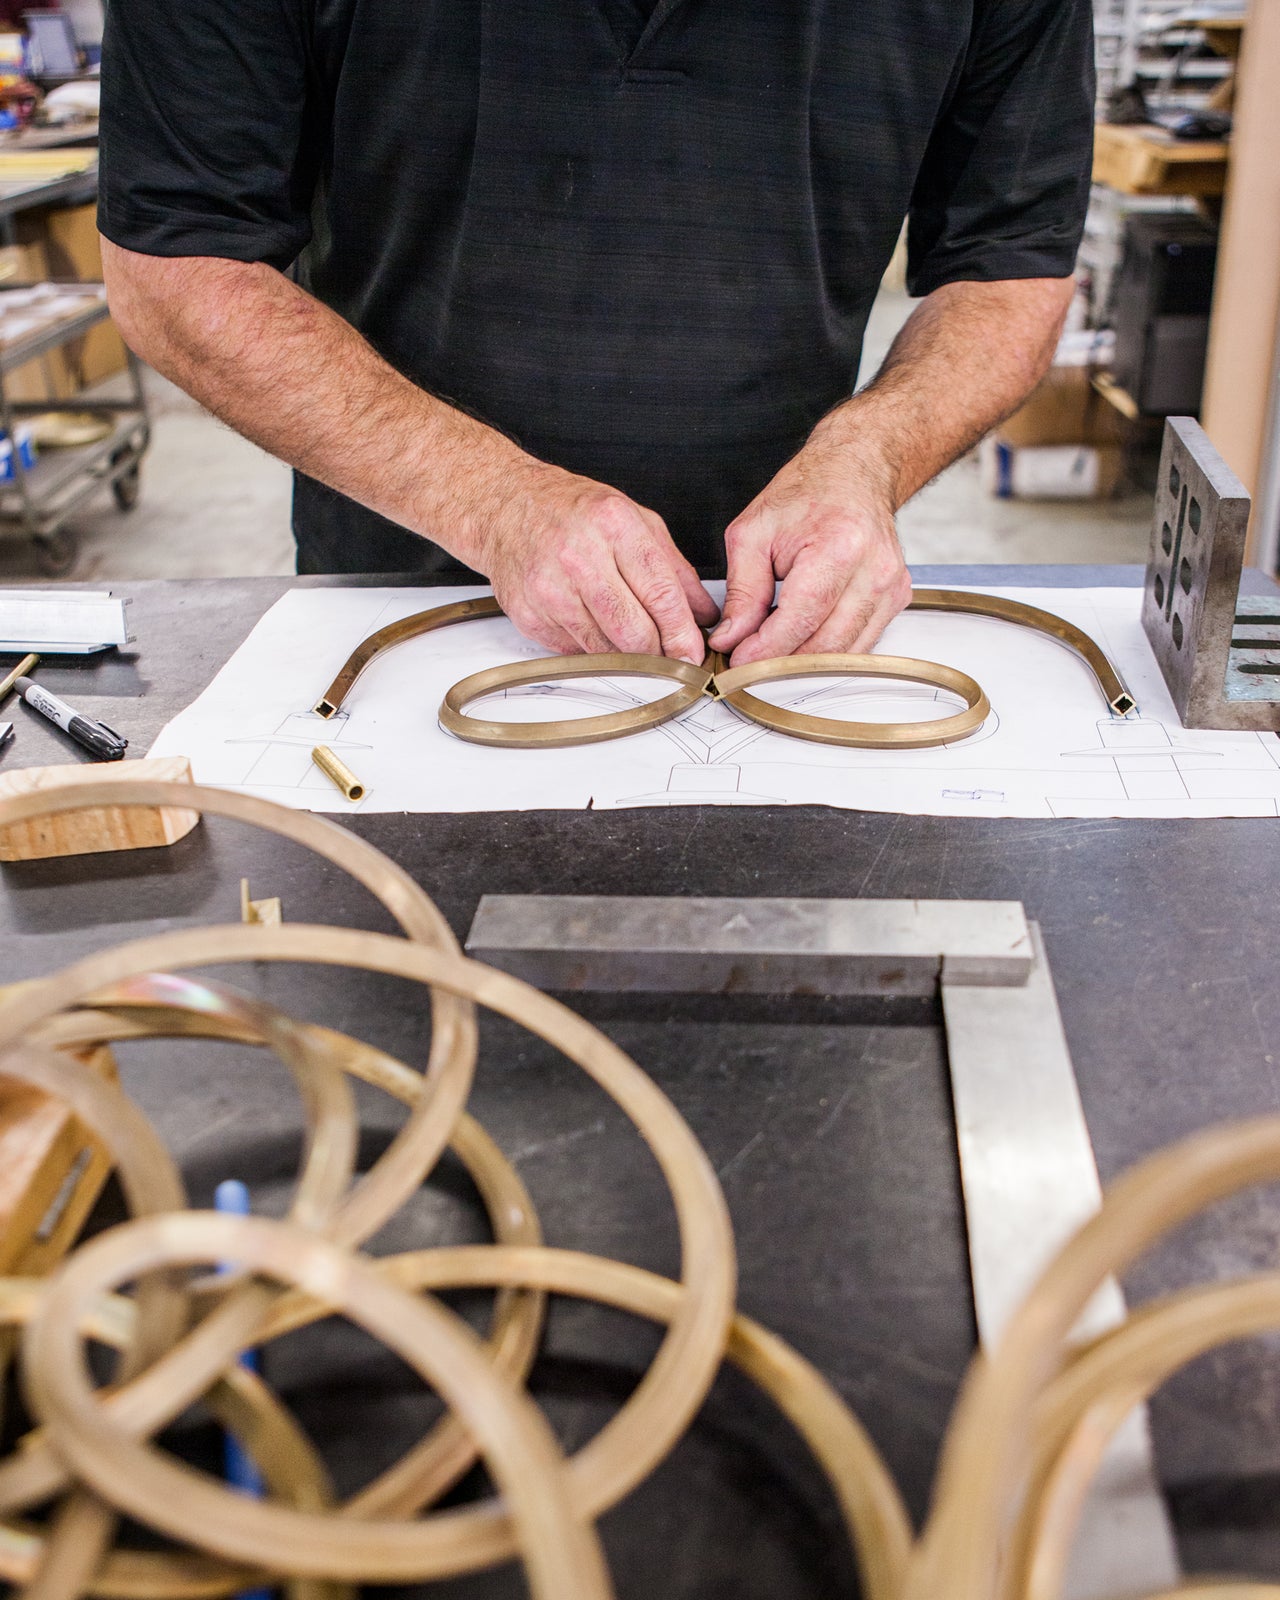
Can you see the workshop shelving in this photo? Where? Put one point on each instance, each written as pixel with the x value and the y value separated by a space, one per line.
pixel 38 501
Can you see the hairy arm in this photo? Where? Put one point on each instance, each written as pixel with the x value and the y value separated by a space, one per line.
pixel 575 564
pixel 967 357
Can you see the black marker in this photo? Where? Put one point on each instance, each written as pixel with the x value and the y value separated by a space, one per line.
pixel 96 737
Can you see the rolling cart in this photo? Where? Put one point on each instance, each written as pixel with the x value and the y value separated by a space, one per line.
pixel 39 499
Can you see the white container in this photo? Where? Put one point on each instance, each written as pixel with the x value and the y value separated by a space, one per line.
pixel 1048 472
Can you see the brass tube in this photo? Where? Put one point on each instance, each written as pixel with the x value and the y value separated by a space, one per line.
pixel 338 773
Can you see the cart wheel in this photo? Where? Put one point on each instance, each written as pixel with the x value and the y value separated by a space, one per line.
pixel 56 553
pixel 127 488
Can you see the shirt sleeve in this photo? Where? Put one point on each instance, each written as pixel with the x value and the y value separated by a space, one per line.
pixel 207 146
pixel 1004 184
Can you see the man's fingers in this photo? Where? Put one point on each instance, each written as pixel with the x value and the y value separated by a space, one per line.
pixel 704 608
pixel 859 617
pixel 582 628
pixel 539 627
pixel 891 595
pixel 598 587
pixel 810 593
pixel 888 608
pixel 656 585
pixel 621 618
pixel 749 589
pixel 849 621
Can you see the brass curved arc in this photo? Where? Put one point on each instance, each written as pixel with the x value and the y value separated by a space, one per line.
pixel 330 702
pixel 1113 687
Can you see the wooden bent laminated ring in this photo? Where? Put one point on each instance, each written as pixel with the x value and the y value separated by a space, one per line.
pixel 633 1442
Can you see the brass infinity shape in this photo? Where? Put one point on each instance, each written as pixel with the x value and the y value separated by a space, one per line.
pixel 729 685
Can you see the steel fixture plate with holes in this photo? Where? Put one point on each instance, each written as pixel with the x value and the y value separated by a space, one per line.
pixel 1219 650
pixel 1026 1159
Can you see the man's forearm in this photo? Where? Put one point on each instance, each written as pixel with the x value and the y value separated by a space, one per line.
pixel 966 358
pixel 576 564
pixel 291 375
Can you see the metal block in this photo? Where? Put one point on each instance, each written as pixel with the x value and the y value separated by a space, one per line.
pixel 1219 651
pixel 670 945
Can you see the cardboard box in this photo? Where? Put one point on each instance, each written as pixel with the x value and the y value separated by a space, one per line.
pixel 1065 409
pixel 69 240
pixel 46 378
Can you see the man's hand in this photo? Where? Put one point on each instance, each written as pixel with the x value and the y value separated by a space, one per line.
pixel 824 525
pixel 580 567
pixel 966 358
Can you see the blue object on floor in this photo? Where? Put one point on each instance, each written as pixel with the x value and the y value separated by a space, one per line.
pixel 232 1198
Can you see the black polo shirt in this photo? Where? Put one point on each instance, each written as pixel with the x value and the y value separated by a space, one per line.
pixel 640 236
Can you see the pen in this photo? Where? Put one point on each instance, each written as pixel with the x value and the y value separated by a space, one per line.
pixel 95 737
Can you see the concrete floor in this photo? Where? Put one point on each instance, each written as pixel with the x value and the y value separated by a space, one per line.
pixel 214 505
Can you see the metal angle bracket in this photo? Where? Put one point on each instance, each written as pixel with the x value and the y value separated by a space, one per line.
pixel 1219 650
pixel 1026 1160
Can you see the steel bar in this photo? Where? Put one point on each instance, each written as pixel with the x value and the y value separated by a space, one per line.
pixel 687 945
pixel 1030 1181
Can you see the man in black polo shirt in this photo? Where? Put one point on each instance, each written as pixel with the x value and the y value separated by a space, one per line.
pixel 571 293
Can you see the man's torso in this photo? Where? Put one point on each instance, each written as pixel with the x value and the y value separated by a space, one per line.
pixel 640 236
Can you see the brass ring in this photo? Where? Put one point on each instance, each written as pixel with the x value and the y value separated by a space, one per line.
pixel 694 683
pixel 165 1005
pixel 732 688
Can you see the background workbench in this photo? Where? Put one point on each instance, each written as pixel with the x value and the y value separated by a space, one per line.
pixel 832 1132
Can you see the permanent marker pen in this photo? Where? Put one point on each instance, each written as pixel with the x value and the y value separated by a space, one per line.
pixel 95 737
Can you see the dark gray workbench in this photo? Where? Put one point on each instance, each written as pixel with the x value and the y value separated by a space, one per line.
pixel 833 1135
